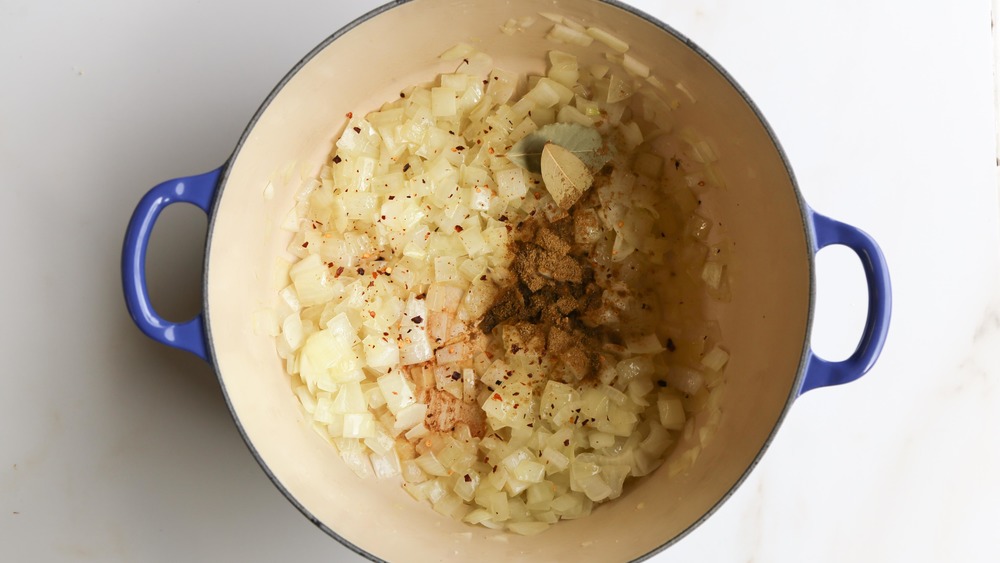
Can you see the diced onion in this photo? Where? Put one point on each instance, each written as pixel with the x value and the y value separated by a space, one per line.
pixel 608 39
pixel 715 359
pixel 671 411
pixel 564 34
pixel 403 241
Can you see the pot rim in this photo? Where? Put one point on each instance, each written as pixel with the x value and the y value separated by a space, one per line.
pixel 807 228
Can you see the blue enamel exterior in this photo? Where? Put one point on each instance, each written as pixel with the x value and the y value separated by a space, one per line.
pixel 197 190
pixel 823 373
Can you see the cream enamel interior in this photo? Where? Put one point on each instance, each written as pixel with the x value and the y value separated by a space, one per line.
pixel 764 327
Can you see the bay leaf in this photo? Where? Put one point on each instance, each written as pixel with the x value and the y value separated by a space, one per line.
pixel 565 175
pixel 582 141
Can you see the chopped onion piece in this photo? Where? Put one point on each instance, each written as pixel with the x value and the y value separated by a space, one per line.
pixel 528 528
pixel 635 67
pixel 385 465
pixel 569 114
pixel 646 344
pixel 573 24
pixel 608 39
pixel 685 379
pixel 359 425
pixel 313 281
pixel 712 274
pixel 397 391
pixel 565 34
pixel 715 359
pixel 671 411
pixel 410 416
pixel 417 432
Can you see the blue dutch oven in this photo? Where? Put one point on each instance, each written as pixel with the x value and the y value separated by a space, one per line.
pixel 766 325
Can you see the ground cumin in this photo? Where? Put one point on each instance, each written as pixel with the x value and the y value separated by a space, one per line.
pixel 552 297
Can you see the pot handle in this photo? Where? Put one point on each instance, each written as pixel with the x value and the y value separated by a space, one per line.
pixel 198 190
pixel 824 373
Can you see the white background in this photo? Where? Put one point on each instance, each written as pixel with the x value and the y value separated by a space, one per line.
pixel 113 448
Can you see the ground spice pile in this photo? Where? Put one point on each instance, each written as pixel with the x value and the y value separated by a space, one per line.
pixel 554 300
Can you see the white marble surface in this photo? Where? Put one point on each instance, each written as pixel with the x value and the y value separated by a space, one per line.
pixel 113 448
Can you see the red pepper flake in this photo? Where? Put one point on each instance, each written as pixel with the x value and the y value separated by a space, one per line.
pixel 503 218
pixel 392 197
pixel 482 277
pixel 417 319
pixel 337 159
pixel 371 314
pixel 305 244
pixel 340 270
pixel 361 271
pixel 497 397
pixel 458 228
pixel 406 167
pixel 421 296
pixel 566 442
pixel 356 129
pixel 350 114
pixel 467 478
pixel 538 195
pixel 456 375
